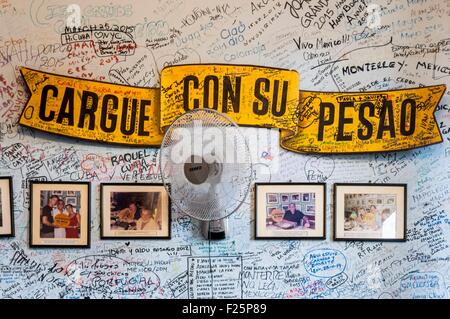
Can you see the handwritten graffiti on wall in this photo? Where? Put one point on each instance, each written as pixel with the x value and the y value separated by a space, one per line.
pixel 335 45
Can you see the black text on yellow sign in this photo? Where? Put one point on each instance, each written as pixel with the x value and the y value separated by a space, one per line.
pixel 331 122
pixel 310 122
pixel 92 110
pixel 252 96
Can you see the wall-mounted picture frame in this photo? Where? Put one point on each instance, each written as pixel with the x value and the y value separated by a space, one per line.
pixel 285 198
pixel 378 215
pixel 272 198
pixel 306 197
pixel 71 200
pixel 134 211
pixel 310 208
pixel 55 222
pixel 6 207
pixel 296 197
pixel 292 220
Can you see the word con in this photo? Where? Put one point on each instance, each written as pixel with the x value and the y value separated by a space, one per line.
pixel 232 91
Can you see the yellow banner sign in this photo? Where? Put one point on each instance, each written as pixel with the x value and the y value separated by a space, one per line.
pixel 250 95
pixel 330 122
pixel 92 110
pixel 310 122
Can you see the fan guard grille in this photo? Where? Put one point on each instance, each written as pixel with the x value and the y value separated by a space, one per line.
pixel 220 195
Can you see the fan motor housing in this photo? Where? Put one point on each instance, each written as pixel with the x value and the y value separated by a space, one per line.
pixel 196 170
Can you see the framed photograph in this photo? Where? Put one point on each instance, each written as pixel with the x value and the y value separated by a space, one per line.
pixel 310 209
pixel 6 207
pixel 72 200
pixel 305 197
pixel 383 218
pixel 295 198
pixel 289 220
pixel 285 198
pixel 390 200
pixel 54 220
pixel 134 211
pixel 272 198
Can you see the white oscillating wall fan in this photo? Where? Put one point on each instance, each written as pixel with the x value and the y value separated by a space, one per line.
pixel 206 168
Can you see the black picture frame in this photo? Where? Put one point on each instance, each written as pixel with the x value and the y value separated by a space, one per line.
pixel 11 206
pixel 365 239
pixel 169 214
pixel 322 237
pixel 88 239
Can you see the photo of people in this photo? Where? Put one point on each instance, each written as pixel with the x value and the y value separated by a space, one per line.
pixel 59 214
pixel 72 200
pixel 377 213
pixel 272 198
pixel 295 198
pixel 372 217
pixel 134 210
pixel 295 215
pixel 59 219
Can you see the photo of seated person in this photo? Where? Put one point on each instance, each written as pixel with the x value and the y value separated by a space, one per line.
pixel 147 221
pixel 372 217
pixel 130 213
pixel 135 211
pixel 292 214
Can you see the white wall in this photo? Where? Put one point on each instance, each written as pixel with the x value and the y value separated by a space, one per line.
pixel 414 32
